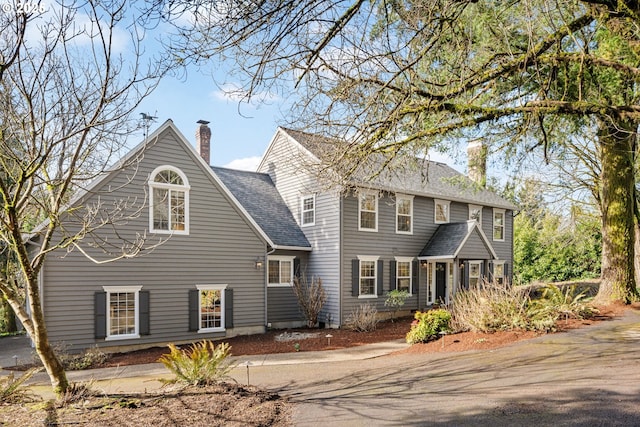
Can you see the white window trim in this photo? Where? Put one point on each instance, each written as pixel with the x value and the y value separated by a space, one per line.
pixel 221 288
pixel 303 211
pixel 504 224
pixel 367 193
pixel 374 259
pixel 122 289
pixel 410 261
pixel 410 199
pixel 497 262
pixel 280 258
pixel 476 207
pixel 479 264
pixel 184 188
pixel 437 202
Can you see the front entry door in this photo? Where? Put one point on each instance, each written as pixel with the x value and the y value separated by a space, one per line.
pixel 441 282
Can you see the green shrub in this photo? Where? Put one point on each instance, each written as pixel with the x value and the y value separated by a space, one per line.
pixel 202 363
pixel 395 300
pixel 11 390
pixel 91 358
pixel 427 325
pixel 556 303
pixel 363 319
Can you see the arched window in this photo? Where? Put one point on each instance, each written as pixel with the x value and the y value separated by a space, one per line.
pixel 169 201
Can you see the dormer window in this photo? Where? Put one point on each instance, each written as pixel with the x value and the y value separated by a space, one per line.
pixel 168 201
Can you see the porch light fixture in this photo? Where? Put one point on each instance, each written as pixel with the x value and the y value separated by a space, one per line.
pixel 424 263
pixel 259 263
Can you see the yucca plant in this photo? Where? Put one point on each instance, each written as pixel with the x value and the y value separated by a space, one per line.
pixel 201 364
pixel 568 303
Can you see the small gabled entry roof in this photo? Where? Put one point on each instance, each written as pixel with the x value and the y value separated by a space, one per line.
pixel 449 241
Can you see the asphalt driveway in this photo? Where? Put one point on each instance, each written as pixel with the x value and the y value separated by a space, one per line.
pixel 586 377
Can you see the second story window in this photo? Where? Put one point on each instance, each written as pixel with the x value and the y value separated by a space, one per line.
pixel 441 215
pixel 404 214
pixel 168 201
pixel 498 225
pixel 308 210
pixel 368 211
pixel 475 212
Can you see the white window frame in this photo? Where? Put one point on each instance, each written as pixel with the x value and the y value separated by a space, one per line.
pixel 374 259
pixel 171 188
pixel 280 258
pixel 360 210
pixel 446 203
pixel 410 277
pixel 479 209
pixel 496 263
pixel 503 226
pixel 123 289
pixel 404 197
pixel 303 210
pixel 479 276
pixel 221 288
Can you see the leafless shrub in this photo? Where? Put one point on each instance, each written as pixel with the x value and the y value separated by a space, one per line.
pixel 363 319
pixel 311 298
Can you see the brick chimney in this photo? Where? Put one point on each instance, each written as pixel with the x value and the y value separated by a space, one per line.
pixel 203 140
pixel 477 162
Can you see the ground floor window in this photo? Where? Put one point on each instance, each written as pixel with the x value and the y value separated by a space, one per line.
pixel 404 274
pixel 498 272
pixel 475 273
pixel 211 303
pixel 122 305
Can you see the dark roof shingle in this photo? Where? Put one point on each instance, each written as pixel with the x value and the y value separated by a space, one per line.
pixel 260 198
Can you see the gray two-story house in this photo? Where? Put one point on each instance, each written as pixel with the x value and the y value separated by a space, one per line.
pixel 423 228
pixel 223 246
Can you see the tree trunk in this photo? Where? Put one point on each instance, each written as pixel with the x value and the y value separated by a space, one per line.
pixel 617 143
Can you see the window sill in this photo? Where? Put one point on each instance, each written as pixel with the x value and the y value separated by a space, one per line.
pixel 122 337
pixel 368 230
pixel 408 233
pixel 279 285
pixel 171 232
pixel 367 296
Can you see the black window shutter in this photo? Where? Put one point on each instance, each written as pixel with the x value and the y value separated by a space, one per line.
pixel 466 275
pixel 392 276
pixel 228 308
pixel 415 269
pixel 194 310
pixel 491 277
pixel 507 278
pixel 100 308
pixel 380 291
pixel 355 277
pixel 143 299
pixel 296 268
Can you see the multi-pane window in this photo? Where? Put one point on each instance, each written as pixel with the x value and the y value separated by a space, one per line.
pixel 403 275
pixel 368 211
pixel 498 272
pixel 169 201
pixel 498 224
pixel 211 307
pixel 122 312
pixel 280 271
pixel 475 271
pixel 308 211
pixel 475 212
pixel 441 215
pixel 404 214
pixel 368 277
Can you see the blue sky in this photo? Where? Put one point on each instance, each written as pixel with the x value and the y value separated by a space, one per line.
pixel 240 133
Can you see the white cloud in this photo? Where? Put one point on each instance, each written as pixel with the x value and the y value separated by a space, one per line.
pixel 245 164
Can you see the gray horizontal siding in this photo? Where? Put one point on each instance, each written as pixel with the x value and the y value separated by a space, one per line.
pixel 282 305
pixel 221 248
pixel 288 168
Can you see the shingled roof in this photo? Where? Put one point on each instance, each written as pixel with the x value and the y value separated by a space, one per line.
pixel 259 197
pixel 450 238
pixel 405 174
